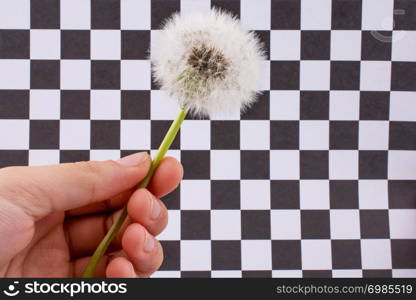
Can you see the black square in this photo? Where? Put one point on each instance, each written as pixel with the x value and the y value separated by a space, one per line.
pixel 256 274
pixel 315 224
pixel 195 274
pixel 14 44
pixel 343 135
pixel 259 110
pixel 346 254
pixel 196 164
pixel 158 132
pixel 105 14
pixel 373 165
pixel 374 105
pixel 285 14
pixel 346 14
pixel 135 105
pixel 173 199
pixel 284 194
pixel 345 75
pixel 314 105
pixel 44 134
pixel 69 156
pixel 374 49
pixel 284 134
pixel 75 44
pixel 315 45
pixel 314 164
pixel 14 158
pixel 286 255
pixel 44 74
pixel 105 74
pixel 343 194
pixel 232 6
pixel 403 254
pixel 402 193
pixel 402 76
pixel 171 255
pixel 374 224
pixel 226 255
pixel 162 9
pixel 255 164
pixel 264 38
pixel 377 273
pixel 75 104
pixel 404 15
pixel 316 274
pixel 284 75
pixel 45 14
pixel 225 134
pixel 255 224
pixel 402 136
pixel 14 104
pixel 195 225
pixel 135 44
pixel 225 194
pixel 105 134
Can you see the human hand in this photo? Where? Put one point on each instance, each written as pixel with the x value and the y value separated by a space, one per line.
pixel 53 217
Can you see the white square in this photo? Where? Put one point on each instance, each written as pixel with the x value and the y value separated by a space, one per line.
pixel 402 223
pixel 255 15
pixel 76 14
pixel 316 255
pixel 344 105
pixel 285 224
pixel 135 134
pixel 346 45
pixel 43 157
pixel 402 106
pixel 314 135
pixel 195 255
pixel 254 135
pixel 226 274
pixel 15 14
pixel 135 75
pixel 284 164
pixel 165 274
pixel 225 224
pixel 255 194
pixel 373 194
pixel 256 255
pixel 316 14
pixel 345 224
pixel 309 79
pixel 135 14
pixel 171 153
pixel 74 134
pixel 102 155
pixel 172 232
pixel 287 274
pixel 15 139
pixel 314 194
pixel 196 135
pixel 375 75
pixel 285 45
pixel 195 194
pixel 264 78
pixel 404 273
pixel 402 165
pixel 105 44
pixel 14 74
pixel 347 273
pixel 45 104
pixel 154 38
pixel 284 105
pixel 163 107
pixel 377 14
pixel 105 105
pixel 189 7
pixel 75 74
pixel 403 42
pixel 375 254
pixel 225 164
pixel 343 164
pixel 45 44
pixel 373 135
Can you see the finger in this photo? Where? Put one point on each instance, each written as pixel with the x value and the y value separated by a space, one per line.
pixel 45 189
pixel 142 249
pixel 120 267
pixel 80 264
pixel 166 178
pixel 144 208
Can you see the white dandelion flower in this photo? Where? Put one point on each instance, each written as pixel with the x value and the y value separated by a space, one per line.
pixel 208 63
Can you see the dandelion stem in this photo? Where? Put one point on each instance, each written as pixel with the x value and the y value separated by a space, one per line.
pixel 163 148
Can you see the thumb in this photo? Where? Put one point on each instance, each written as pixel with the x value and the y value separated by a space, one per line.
pixel 45 189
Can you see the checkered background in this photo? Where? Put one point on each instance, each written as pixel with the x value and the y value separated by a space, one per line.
pixel 317 179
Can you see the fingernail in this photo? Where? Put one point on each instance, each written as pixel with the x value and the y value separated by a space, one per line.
pixel 133 159
pixel 149 243
pixel 156 209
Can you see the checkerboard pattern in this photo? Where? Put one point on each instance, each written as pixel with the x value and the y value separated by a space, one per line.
pixel 318 179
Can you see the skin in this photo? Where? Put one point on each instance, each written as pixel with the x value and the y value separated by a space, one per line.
pixel 53 217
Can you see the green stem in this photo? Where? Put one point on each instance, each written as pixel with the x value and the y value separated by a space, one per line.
pixel 163 148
